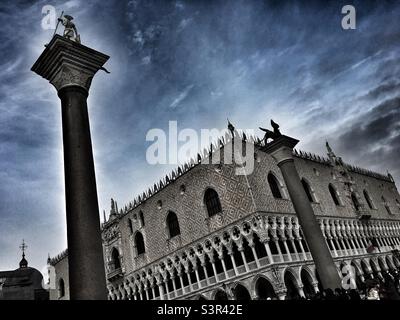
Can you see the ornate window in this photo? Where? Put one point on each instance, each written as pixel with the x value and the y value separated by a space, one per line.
pixel 386 205
pixel 61 288
pixel 141 218
pixel 173 225
pixel 309 191
pixel 274 185
pixel 334 194
pixel 139 243
pixel 355 201
pixel 368 199
pixel 211 199
pixel 115 259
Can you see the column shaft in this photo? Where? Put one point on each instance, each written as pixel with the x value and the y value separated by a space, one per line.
pixel 311 229
pixel 85 251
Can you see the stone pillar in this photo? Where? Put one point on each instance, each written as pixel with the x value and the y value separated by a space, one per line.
pixel 281 149
pixel 230 253
pixel 153 292
pixel 70 68
pixel 221 258
pixel 173 283
pixel 268 249
pixel 241 250
pixel 181 281
pixel 278 247
pixel 214 269
pixel 203 264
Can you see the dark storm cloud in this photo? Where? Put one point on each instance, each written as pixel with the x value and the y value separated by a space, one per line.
pixel 196 62
pixel 390 87
pixel 376 126
pixel 374 140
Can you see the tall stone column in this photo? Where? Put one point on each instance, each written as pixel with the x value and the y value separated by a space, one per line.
pixel 281 149
pixel 70 67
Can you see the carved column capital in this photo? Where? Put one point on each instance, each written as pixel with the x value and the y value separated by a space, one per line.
pixel 70 76
pixel 67 63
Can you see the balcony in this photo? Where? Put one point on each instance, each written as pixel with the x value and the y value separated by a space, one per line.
pixel 254 261
pixel 114 274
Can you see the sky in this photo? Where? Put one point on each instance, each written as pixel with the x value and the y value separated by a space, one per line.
pixel 197 63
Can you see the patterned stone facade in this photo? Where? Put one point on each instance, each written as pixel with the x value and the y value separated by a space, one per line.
pixel 254 247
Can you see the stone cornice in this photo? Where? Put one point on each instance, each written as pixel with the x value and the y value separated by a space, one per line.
pixel 67 63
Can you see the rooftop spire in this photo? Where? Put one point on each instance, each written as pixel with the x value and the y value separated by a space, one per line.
pixel 231 128
pixel 23 263
pixel 330 151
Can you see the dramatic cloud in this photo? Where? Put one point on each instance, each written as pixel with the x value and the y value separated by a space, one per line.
pixel 197 62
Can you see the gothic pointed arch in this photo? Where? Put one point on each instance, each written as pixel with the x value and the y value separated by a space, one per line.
pixel 264 289
pixel 308 190
pixel 275 186
pixel 355 201
pixel 212 202
pixel 141 218
pixel 368 199
pixel 61 288
pixel 130 225
pixel 139 243
pixel 386 205
pixel 334 194
pixel 173 224
pixel 241 293
pixel 115 258
pixel 307 281
pixel 291 286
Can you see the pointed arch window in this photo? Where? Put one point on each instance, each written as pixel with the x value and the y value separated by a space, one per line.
pixel 130 225
pixel 355 201
pixel 139 243
pixel 211 200
pixel 275 187
pixel 115 259
pixel 334 194
pixel 309 191
pixel 368 199
pixel 173 225
pixel 386 205
pixel 61 288
pixel 141 218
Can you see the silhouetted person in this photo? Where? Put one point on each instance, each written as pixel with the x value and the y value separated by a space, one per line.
pixel 329 295
pixel 354 295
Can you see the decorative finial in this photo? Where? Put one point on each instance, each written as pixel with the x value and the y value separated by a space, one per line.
pixel 113 207
pixel 231 128
pixel 23 263
pixel 328 147
pixel 332 156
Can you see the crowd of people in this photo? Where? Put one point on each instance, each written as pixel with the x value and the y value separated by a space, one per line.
pixel 386 287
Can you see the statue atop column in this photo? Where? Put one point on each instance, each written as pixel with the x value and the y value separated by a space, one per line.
pixel 271 134
pixel 70 31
